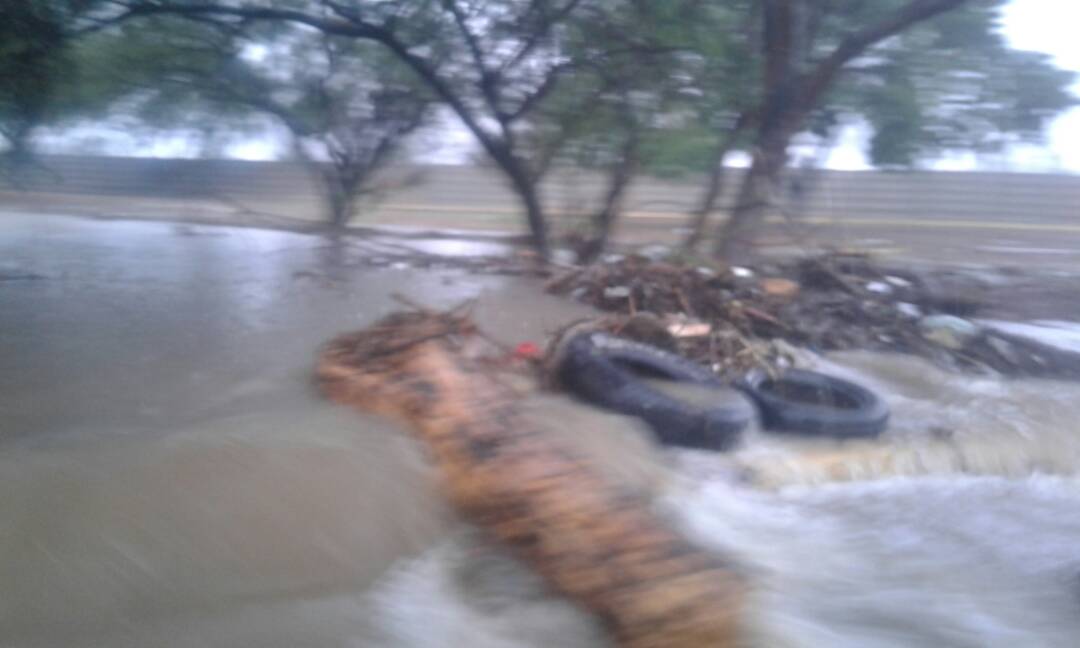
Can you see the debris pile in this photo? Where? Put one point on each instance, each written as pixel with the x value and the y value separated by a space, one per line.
pixel 734 318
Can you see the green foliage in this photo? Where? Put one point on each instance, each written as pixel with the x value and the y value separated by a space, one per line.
pixel 660 73
pixel 34 61
pixel 948 83
pixel 952 83
pixel 48 74
pixel 675 153
pixel 345 103
pixel 673 74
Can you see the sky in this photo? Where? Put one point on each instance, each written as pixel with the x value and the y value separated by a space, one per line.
pixel 1049 26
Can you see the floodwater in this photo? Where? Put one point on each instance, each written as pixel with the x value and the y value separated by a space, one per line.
pixel 169 477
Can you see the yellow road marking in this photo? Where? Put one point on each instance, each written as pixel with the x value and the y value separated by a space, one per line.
pixel 817 220
pixel 946 224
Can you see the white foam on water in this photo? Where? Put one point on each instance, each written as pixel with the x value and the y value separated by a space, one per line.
pixel 981 561
pixel 938 558
pixel 1063 335
pixel 176 483
pixel 975 561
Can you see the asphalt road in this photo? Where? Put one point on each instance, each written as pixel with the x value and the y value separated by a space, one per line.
pixel 1041 238
pixel 1045 242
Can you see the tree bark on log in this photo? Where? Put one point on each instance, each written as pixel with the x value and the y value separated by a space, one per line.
pixel 598 545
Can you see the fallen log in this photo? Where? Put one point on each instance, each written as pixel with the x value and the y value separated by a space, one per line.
pixel 597 544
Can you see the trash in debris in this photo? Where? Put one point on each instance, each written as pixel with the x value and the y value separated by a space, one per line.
pixel 828 304
pixel 779 287
pixel 527 351
pixel 563 256
pixel 682 327
pixel 949 331
pixel 909 310
pixel 1004 348
pixel 655 252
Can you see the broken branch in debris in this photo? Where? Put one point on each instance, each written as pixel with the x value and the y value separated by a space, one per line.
pixel 834 302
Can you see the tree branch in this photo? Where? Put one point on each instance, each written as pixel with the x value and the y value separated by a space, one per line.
pixel 343 11
pixel 489 79
pixel 540 33
pixel 348 23
pixel 351 26
pixel 445 92
pixel 137 8
pixel 778 41
pixel 537 95
pixel 471 40
pixel 856 44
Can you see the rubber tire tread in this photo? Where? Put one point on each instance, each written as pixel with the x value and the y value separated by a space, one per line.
pixel 867 419
pixel 605 370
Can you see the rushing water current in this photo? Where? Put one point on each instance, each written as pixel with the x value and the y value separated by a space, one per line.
pixel 168 477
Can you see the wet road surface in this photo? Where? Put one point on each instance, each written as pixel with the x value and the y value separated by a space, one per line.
pixel 169 477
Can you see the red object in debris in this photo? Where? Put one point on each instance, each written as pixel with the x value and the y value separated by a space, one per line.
pixel 527 351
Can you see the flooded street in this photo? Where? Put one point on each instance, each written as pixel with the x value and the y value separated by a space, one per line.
pixel 169 477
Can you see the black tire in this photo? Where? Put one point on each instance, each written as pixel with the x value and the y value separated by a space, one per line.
pixel 606 370
pixel 807 402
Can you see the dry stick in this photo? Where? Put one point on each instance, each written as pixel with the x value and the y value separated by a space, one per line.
pixel 454 312
pixel 461 311
pixel 558 283
pixel 765 317
pixel 597 544
pixel 837 277
pixel 684 302
pixel 756 358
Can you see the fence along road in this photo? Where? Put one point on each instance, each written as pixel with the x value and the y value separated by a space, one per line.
pixel 970 216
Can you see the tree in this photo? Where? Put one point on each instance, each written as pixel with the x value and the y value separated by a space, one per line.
pixel 722 73
pixel 808 46
pixel 346 104
pixel 625 85
pixel 607 115
pixel 491 62
pixel 36 70
pixel 945 81
pixel 606 135
pixel 952 84
pixel 31 57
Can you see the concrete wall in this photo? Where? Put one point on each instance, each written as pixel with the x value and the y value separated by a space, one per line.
pixel 284 188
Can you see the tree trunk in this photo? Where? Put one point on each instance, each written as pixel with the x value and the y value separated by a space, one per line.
pixel 790 96
pixel 340 200
pixel 603 221
pixel 715 187
pixel 734 238
pixel 17 157
pixel 339 185
pixel 526 188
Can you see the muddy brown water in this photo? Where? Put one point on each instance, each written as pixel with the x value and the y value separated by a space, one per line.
pixel 168 476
